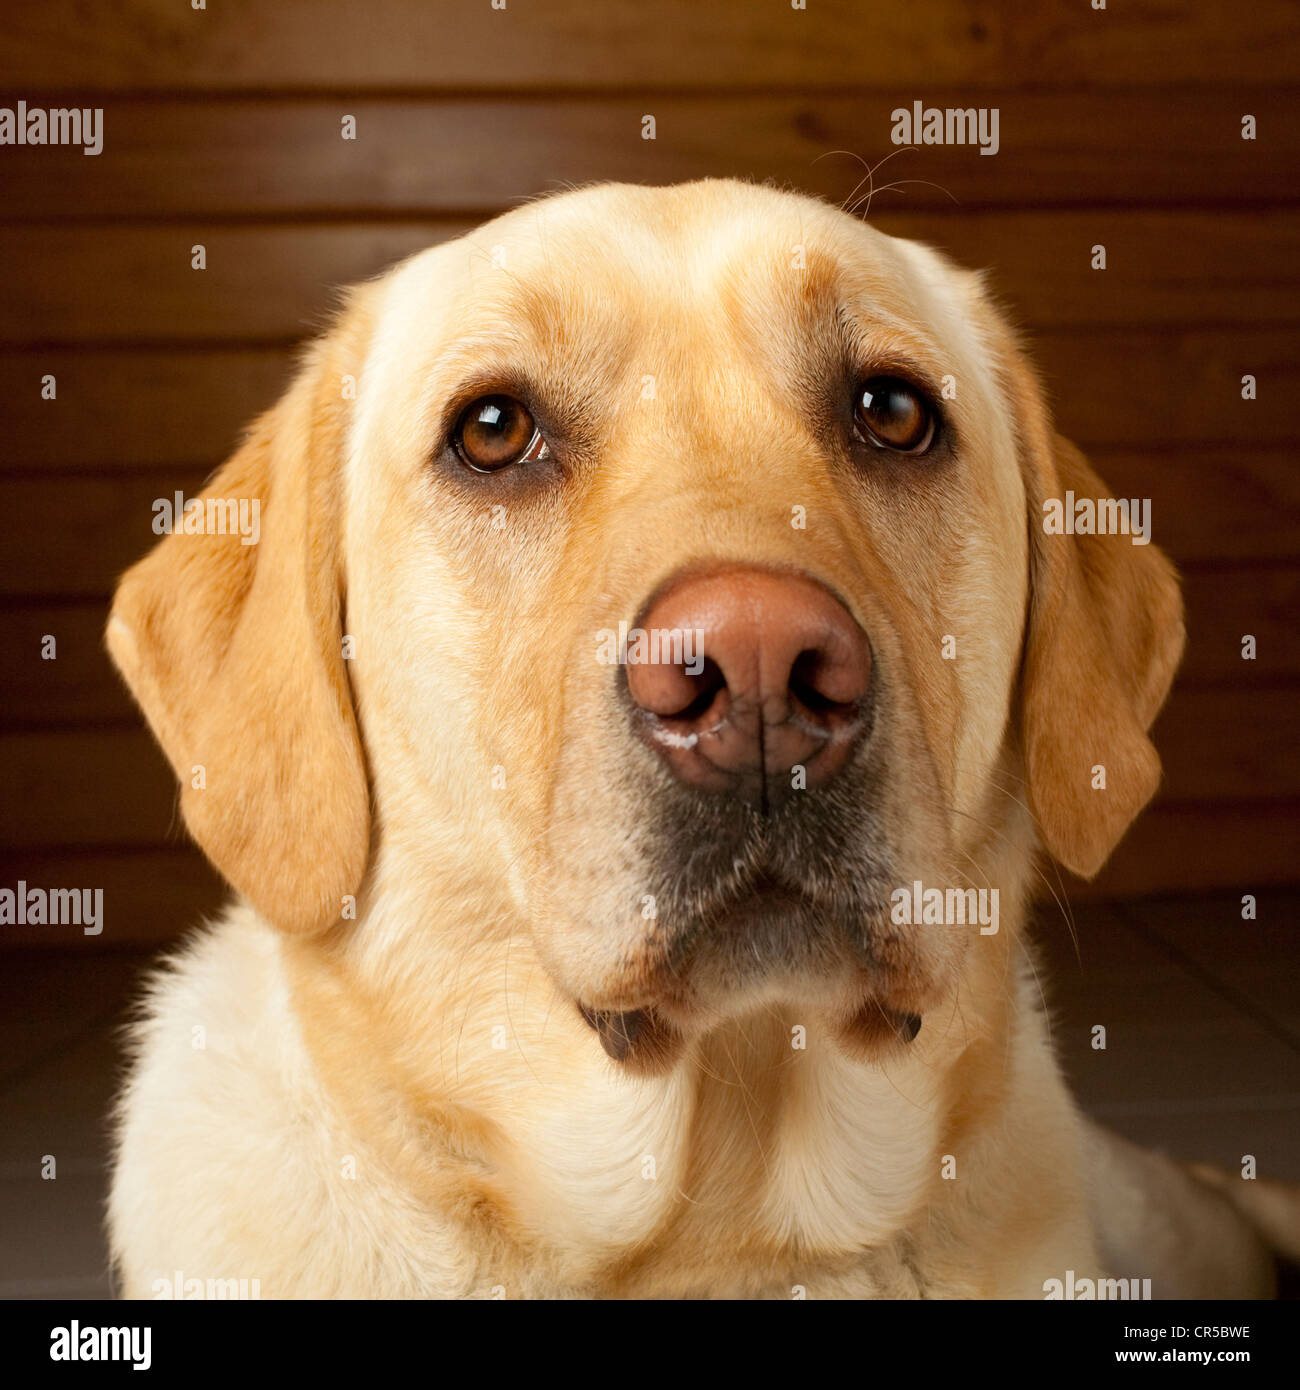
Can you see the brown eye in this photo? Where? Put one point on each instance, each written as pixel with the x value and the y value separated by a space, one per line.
pixel 496 431
pixel 894 415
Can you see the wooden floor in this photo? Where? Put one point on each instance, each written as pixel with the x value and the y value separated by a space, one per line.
pixel 1200 1009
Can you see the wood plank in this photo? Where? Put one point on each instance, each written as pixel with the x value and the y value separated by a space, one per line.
pixel 413 156
pixel 314 44
pixel 1225 605
pixel 1137 388
pixel 1124 391
pixel 77 539
pixel 87 789
pixel 108 787
pixel 1193 849
pixel 137 409
pixel 1163 268
pixel 78 684
pixel 81 686
pixel 150 896
pixel 1206 505
pixel 117 283
pixel 1227 745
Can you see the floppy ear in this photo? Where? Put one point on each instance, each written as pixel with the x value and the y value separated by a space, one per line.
pixel 1104 636
pixel 234 652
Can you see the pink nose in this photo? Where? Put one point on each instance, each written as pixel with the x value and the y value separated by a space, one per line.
pixel 782 684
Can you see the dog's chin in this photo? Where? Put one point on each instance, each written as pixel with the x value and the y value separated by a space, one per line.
pixel 771 948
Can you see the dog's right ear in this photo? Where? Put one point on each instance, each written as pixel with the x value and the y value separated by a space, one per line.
pixel 234 652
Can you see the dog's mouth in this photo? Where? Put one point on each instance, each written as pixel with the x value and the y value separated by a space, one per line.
pixel 748 943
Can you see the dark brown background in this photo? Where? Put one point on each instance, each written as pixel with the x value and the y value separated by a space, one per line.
pixel 1120 127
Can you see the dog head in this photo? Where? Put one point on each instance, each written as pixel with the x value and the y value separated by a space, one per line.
pixel 663 570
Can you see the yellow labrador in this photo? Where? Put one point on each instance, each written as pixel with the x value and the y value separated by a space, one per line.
pixel 631 736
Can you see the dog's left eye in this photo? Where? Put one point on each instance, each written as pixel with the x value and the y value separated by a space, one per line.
pixel 893 414
pixel 496 431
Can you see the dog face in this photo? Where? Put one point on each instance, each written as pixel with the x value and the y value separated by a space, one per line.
pixel 676 580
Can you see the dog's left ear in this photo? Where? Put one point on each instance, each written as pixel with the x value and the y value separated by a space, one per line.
pixel 234 652
pixel 1104 635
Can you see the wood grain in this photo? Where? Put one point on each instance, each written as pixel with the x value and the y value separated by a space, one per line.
pixel 150 896
pixel 307 45
pixel 1200 848
pixel 247 158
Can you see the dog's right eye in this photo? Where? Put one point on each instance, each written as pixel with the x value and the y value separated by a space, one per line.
pixel 495 431
pixel 893 414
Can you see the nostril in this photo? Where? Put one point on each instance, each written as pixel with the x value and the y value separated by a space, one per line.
pixel 811 681
pixel 804 673
pixel 700 692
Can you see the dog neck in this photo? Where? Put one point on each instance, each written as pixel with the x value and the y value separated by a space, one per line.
pixel 753 1159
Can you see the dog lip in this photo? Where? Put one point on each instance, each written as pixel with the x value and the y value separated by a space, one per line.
pixel 642 1041
pixel 876 1023
pixel 636 1037
pixel 764 894
pixel 617 1030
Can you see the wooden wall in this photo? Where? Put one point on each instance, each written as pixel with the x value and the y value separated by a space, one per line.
pixel 223 127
